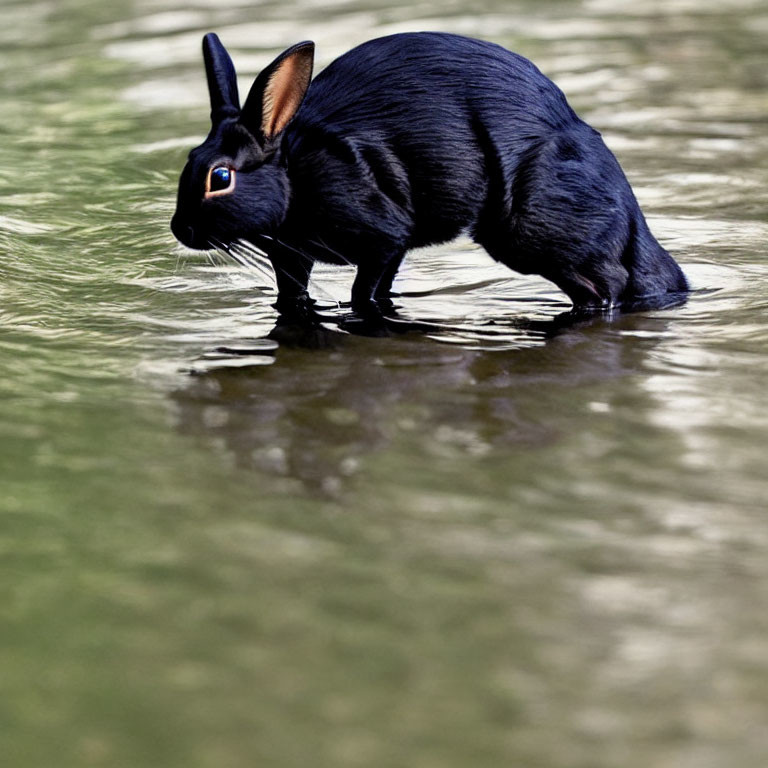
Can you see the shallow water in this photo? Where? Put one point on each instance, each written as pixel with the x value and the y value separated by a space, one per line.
pixel 501 541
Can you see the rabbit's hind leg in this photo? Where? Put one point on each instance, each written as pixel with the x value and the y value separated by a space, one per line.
pixel 569 220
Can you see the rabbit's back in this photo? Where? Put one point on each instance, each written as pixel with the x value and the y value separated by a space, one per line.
pixel 434 117
pixel 405 84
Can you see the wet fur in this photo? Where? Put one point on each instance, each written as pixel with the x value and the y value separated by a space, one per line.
pixel 407 141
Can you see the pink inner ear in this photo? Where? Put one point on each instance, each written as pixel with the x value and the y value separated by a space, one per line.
pixel 285 92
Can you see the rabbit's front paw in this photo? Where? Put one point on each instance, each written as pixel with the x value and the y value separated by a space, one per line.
pixel 296 310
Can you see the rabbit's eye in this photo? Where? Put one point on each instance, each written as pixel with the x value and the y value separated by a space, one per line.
pixel 220 181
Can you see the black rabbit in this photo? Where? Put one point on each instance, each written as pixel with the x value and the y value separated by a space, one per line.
pixel 407 141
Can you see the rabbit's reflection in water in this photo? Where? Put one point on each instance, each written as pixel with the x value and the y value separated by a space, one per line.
pixel 307 417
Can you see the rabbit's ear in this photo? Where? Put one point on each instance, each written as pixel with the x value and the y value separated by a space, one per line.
pixel 222 80
pixel 278 91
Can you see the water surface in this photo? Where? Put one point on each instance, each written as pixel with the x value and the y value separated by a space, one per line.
pixel 501 541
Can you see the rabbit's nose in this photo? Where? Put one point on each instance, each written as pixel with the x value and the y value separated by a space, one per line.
pixel 182 232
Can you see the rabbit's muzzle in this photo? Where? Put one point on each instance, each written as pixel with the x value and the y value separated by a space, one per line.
pixel 185 234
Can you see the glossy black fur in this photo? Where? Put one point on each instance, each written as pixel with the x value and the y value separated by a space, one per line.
pixel 410 140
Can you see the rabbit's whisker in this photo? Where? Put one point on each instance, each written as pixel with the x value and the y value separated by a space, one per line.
pixel 246 260
pixel 330 250
pixel 249 256
pixel 304 256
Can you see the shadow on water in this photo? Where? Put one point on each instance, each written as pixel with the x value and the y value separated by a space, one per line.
pixel 298 412
pixel 329 331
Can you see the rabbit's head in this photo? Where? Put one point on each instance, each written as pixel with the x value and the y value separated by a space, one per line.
pixel 235 185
